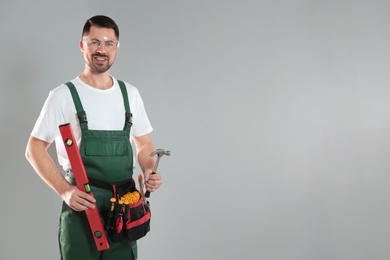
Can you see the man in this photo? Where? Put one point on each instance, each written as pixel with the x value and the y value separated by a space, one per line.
pixel 103 136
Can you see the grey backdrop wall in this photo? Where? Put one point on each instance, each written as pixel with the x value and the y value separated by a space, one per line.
pixel 276 113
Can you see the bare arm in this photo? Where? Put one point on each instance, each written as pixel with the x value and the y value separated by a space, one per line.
pixel 145 147
pixel 43 164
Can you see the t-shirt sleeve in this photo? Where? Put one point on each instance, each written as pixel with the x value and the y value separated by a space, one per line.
pixel 50 117
pixel 141 124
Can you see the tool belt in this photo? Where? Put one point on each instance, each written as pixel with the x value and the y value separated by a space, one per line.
pixel 128 216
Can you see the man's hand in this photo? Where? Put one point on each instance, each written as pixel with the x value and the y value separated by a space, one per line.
pixel 78 200
pixel 40 159
pixel 152 181
pixel 144 147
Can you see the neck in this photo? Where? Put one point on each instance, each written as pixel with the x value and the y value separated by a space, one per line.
pixel 99 81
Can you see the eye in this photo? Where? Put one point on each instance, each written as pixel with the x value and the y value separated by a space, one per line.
pixel 94 43
pixel 109 44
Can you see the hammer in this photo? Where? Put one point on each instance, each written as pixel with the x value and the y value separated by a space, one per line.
pixel 160 153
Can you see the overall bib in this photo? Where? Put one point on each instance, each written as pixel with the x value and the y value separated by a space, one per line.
pixel 107 157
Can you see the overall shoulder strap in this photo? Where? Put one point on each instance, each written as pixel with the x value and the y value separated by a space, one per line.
pixel 79 107
pixel 128 116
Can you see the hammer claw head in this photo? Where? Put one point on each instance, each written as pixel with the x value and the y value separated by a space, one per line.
pixel 160 152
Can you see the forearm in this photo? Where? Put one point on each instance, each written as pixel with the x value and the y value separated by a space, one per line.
pixel 144 159
pixel 145 147
pixel 45 167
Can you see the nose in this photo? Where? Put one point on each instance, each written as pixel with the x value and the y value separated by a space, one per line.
pixel 101 48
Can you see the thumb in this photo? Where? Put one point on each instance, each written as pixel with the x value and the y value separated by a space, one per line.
pixel 147 174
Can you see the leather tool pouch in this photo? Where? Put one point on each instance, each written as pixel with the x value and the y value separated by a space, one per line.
pixel 128 216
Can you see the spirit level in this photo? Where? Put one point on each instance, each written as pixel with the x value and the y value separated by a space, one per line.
pixel 83 184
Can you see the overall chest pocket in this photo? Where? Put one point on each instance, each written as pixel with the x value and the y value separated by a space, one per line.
pixel 107 148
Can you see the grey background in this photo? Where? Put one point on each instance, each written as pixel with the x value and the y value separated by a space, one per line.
pixel 276 113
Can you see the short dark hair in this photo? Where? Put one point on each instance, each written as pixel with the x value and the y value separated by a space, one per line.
pixel 100 21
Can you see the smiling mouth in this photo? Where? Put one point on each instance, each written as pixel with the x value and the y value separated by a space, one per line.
pixel 100 58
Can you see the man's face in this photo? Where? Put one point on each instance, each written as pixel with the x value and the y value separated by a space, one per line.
pixel 99 49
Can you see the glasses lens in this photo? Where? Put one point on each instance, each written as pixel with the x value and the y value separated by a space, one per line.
pixel 107 43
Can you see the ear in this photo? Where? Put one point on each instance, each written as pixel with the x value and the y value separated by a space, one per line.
pixel 82 46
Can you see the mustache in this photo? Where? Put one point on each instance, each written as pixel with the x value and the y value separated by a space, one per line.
pixel 100 55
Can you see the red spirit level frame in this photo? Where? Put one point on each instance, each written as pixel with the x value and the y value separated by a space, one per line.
pixel 83 184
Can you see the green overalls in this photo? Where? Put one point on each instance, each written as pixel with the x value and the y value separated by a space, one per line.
pixel 107 157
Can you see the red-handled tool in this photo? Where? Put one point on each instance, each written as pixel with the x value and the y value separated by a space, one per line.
pixel 83 184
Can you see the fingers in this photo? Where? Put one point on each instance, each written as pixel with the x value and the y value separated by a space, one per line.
pixel 81 204
pixel 87 197
pixel 80 201
pixel 87 200
pixel 154 182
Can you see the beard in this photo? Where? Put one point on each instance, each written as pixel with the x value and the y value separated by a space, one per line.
pixel 100 67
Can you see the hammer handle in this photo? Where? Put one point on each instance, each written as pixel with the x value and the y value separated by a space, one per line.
pixel 147 193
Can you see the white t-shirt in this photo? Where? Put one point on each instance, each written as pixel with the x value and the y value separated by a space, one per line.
pixel 105 110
